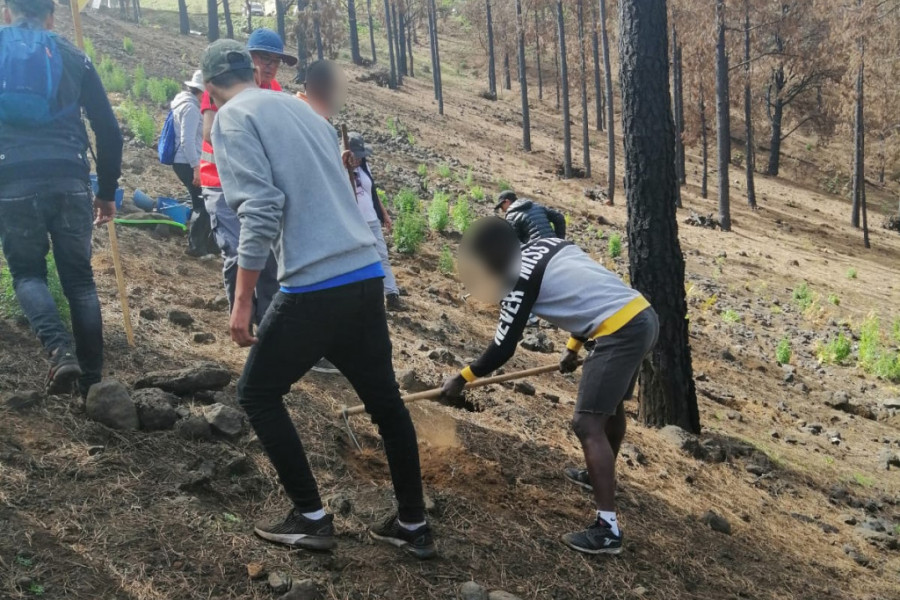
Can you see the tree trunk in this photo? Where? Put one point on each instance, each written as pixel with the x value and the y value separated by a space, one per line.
pixel 564 87
pixel 507 79
pixel 750 159
pixel 389 31
pixel 704 147
pixel 249 16
pixel 279 20
pixel 437 58
pixel 401 38
pixel 410 28
pixel 354 32
pixel 212 20
pixel 610 108
pixel 667 393
pixel 229 22
pixel 523 78
pixel 723 119
pixel 184 23
pixel 595 54
pixel 302 46
pixel 556 66
pixel 775 110
pixel 492 71
pixel 371 29
pixel 434 71
pixel 859 169
pixel 585 118
pixel 317 28
pixel 537 54
pixel 678 104
pixel 399 48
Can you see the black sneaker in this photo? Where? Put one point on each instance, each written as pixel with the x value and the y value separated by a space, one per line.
pixel 596 539
pixel 394 304
pixel 325 366
pixel 418 542
pixel 579 477
pixel 64 372
pixel 300 532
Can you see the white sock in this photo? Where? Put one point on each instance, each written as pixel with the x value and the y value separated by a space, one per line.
pixel 315 516
pixel 610 518
pixel 410 526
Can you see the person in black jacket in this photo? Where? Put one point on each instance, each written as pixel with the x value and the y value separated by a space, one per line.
pixel 530 220
pixel 45 194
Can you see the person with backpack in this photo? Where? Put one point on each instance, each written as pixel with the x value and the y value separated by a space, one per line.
pixel 183 137
pixel 45 188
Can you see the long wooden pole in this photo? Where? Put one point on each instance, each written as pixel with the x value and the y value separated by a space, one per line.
pixel 111 227
pixel 436 392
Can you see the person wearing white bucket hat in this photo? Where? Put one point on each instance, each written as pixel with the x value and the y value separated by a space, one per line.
pixel 188 124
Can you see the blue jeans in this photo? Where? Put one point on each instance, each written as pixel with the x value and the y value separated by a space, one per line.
pixel 32 214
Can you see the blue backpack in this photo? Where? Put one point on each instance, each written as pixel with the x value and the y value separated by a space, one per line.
pixel 31 68
pixel 167 145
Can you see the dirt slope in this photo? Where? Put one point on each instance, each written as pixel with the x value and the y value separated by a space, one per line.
pixel 88 513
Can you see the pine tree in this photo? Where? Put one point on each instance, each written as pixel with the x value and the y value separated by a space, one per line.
pixel 523 78
pixel 564 88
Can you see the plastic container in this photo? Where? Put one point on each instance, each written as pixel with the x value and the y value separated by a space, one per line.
pixel 143 201
pixel 175 210
pixel 120 193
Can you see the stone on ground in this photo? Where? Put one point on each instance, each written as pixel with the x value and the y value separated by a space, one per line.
pixel 109 403
pixel 501 595
pixel 203 376
pixel 224 419
pixel 279 582
pixel 156 410
pixel 194 428
pixel 412 382
pixel 180 318
pixel 472 591
pixel 538 342
pixel 305 589
pixel 716 522
pixel 204 338
pixel 525 388
pixel 683 440
pixel 22 400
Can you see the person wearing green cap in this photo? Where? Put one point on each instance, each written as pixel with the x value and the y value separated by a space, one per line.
pixel 282 173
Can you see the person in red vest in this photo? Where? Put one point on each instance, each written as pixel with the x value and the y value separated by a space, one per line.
pixel 267 50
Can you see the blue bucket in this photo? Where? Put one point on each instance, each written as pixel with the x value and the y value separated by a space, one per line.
pixel 143 201
pixel 120 193
pixel 175 210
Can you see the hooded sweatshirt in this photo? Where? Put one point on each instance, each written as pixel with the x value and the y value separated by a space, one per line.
pixel 533 221
pixel 188 128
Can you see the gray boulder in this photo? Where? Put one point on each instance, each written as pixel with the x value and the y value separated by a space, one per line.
pixel 203 376
pixel 156 409
pixel 538 342
pixel 472 591
pixel 194 428
pixel 180 318
pixel 108 403
pixel 683 440
pixel 412 382
pixel 224 419
pixel 716 522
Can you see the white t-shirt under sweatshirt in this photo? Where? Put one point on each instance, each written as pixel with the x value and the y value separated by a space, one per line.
pixel 364 195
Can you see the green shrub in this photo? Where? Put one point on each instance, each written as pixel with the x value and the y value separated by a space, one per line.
pixel 851 273
pixel 503 185
pixel 462 215
pixel 476 193
pixel 444 171
pixel 422 171
pixel 409 226
pixel 113 77
pixel 128 45
pixel 731 316
pixel 783 351
pixel 9 305
pixel 138 83
pixel 410 138
pixel 887 367
pixel 439 212
pixel 802 296
pixel 895 331
pixel 614 245
pixel 89 50
pixel 140 121
pixel 392 126
pixel 446 265
pixel 470 178
pixel 869 343
pixel 835 351
pixel 834 299
pixel 161 91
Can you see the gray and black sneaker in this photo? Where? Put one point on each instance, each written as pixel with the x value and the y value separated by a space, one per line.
pixel 596 539
pixel 325 366
pixel 418 542
pixel 300 532
pixel 579 477
pixel 64 372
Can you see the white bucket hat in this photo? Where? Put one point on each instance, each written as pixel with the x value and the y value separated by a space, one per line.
pixel 196 81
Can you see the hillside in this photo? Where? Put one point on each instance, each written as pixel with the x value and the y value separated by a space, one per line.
pixel 801 459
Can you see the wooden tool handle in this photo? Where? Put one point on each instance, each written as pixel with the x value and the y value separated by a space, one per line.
pixel 345 142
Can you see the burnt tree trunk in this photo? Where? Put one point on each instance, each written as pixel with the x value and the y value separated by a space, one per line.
pixel 556 66
pixel 656 263
pixel 704 146
pixel 750 159
pixel 859 157
pixel 678 104
pixel 302 45
pixel 354 32
pixel 434 81
pixel 317 28
pixel 249 16
pixel 610 108
pixel 595 54
pixel 537 54
pixel 492 69
pixel 437 58
pixel 279 21
pixel 388 28
pixel 229 22
pixel 564 87
pixel 723 119
pixel 371 29
pixel 410 28
pixel 507 79
pixel 212 20
pixel 585 117
pixel 523 78
pixel 775 110
pixel 399 45
pixel 184 23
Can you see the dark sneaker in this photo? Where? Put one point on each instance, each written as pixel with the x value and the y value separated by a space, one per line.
pixel 325 366
pixel 64 372
pixel 418 542
pixel 393 303
pixel 579 477
pixel 596 539
pixel 300 532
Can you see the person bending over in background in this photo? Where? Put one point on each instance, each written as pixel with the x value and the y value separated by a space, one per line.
pixel 45 190
pixel 189 136
pixel 267 50
pixel 531 221
pixel 330 303
pixel 560 283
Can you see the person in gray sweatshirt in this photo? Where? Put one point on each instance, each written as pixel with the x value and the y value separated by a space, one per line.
pixel 189 139
pixel 282 172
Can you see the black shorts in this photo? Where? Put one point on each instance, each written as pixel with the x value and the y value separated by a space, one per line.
pixel 611 368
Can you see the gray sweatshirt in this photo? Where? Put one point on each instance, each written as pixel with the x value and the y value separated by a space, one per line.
pixel 281 171
pixel 188 128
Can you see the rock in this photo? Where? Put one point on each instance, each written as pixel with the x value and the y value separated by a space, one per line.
pixel 733 415
pixel 305 589
pixel 849 519
pixel 726 354
pixel 524 388
pixel 198 479
pixel 716 522
pixel 887 458
pixel 218 303
pixel 224 419
pixel 22 400
pixel 194 428
pixel 828 528
pixel 149 314
pixel 204 338
pixel 639 591
pixel 472 591
pixel 856 556
pixel 180 318
pixel 774 433
pixel 256 571
pixel 838 494
pixel 279 582
pixel 444 356
pixel 412 382
pixel 632 454
pixel 501 595
pixel 813 428
pixel 683 440
pixel 203 376
pixel 155 409
pixel 538 342
pixel 108 403
pixel 891 404
pixel 881 540
pixel 789 377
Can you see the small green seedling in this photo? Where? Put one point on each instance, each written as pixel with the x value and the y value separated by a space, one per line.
pixel 615 245
pixel 731 316
pixel 783 352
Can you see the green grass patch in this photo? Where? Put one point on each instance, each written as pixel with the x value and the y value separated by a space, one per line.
pixel 731 316
pixel 113 76
pixel 783 351
pixel 422 170
pixel 614 246
pixel 875 354
pixel 803 296
pixel 834 299
pixel 470 178
pixel 138 83
pixel 140 121
pixel 446 264
pixel 128 45
pixel 835 351
pixel 444 171
pixel 462 214
pixel 863 480
pixel 439 212
pixel 410 225
pixel 89 50
pixel 477 193
pixel 851 273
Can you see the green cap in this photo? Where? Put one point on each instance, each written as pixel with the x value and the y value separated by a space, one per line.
pixel 224 56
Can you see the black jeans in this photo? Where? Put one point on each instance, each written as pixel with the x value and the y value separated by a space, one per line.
pixel 200 237
pixel 348 326
pixel 32 214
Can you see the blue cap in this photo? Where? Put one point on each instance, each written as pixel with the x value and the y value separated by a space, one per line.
pixel 266 40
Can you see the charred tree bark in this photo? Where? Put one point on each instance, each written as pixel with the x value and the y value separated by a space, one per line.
pixel 184 23
pixel 401 38
pixel 564 87
pixel 437 58
pixel 556 55
pixel 537 54
pixel 410 28
pixel 434 79
pixel 723 119
pixel 317 28
pixel 279 21
pixel 704 146
pixel 398 47
pixel 302 45
pixel 388 28
pixel 750 160
pixel 585 118
pixel 656 263
pixel 610 108
pixel 678 105
pixel 249 16
pixel 507 78
pixel 212 20
pixel 775 110
pixel 229 22
pixel 523 78
pixel 492 69
pixel 354 32
pixel 595 54
pixel 371 29
pixel 859 157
